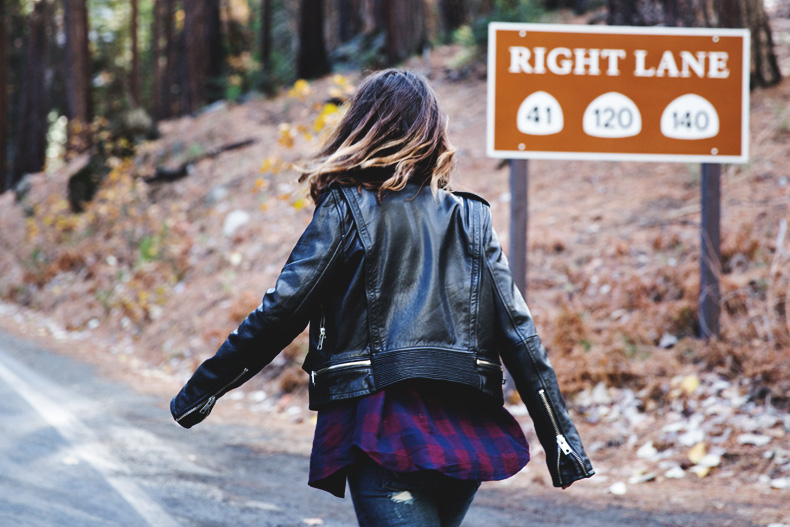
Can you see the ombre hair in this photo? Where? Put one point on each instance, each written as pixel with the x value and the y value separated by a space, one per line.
pixel 393 132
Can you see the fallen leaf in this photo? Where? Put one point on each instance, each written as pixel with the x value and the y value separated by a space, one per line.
pixel 690 383
pixel 697 452
pixel 710 460
pixel 700 471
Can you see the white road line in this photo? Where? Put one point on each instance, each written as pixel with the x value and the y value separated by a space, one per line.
pixel 86 445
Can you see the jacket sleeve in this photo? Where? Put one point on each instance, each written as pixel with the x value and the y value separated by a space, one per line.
pixel 282 315
pixel 528 364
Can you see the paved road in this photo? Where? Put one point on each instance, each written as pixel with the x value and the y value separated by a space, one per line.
pixel 80 451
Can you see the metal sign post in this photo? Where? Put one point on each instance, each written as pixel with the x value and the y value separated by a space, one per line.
pixel 710 252
pixel 519 220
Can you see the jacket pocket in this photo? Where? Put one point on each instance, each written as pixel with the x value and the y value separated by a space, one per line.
pixel 343 365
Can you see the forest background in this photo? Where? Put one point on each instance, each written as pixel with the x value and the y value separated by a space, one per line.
pixel 148 151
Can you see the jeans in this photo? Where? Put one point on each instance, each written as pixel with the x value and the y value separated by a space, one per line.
pixel 426 498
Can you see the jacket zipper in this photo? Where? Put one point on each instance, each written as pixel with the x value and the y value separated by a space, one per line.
pixel 352 364
pixel 481 362
pixel 321 331
pixel 562 443
pixel 489 364
pixel 206 407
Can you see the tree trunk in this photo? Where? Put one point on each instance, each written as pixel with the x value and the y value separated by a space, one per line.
pixel 134 82
pixel 266 36
pixel 31 137
pixel 3 98
pixel 751 14
pixel 214 89
pixel 203 50
pixel 682 13
pixel 168 78
pixel 453 15
pixel 633 13
pixel 196 48
pixel 349 19
pixel 405 29
pixel 579 6
pixel 78 73
pixel 156 67
pixel 378 18
pixel 312 61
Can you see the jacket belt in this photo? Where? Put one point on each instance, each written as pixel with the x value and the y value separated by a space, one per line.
pixel 364 376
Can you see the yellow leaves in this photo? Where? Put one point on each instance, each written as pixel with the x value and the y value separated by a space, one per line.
pixel 161 293
pixel 66 223
pixel 286 139
pixel 272 165
pixel 304 131
pixel 235 80
pixel 329 116
pixel 146 257
pixel 700 470
pixel 317 121
pixel 32 229
pixel 341 81
pixel 142 297
pixel 300 90
pixel 690 383
pixel 697 452
pixel 342 89
pixel 684 385
pixel 704 461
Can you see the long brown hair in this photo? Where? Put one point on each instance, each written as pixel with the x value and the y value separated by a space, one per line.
pixel 393 131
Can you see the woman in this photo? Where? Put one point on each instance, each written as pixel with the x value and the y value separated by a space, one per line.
pixel 411 305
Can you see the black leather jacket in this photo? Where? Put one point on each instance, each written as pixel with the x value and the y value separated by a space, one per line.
pixel 414 287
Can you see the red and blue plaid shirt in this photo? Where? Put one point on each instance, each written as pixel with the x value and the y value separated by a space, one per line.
pixel 418 426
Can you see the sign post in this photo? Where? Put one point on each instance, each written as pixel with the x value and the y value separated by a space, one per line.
pixel 710 252
pixel 622 94
pixel 519 222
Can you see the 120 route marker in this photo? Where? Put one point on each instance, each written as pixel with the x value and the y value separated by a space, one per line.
pixel 618 93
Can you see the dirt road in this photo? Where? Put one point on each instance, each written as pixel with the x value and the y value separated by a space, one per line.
pixel 79 450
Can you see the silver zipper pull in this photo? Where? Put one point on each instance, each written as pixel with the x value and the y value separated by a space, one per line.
pixel 321 337
pixel 206 409
pixel 312 377
pixel 563 444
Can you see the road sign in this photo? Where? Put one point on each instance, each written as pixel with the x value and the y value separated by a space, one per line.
pixel 618 93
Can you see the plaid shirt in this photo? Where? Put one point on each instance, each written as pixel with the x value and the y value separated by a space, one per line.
pixel 418 426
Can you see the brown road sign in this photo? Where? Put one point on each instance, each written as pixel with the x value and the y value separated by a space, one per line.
pixel 618 93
